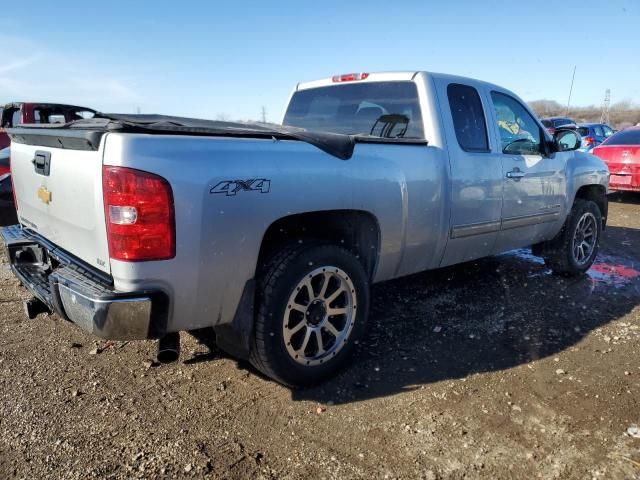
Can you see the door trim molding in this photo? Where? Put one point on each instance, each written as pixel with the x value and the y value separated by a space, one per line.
pixel 526 220
pixel 470 229
pixel 481 228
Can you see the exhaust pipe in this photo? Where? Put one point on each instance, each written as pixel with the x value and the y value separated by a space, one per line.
pixel 169 348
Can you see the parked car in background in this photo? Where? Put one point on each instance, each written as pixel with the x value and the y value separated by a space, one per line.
pixel 14 114
pixel 6 195
pixel 5 169
pixel 554 123
pixel 621 152
pixel 593 134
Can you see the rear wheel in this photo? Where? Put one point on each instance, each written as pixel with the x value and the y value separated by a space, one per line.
pixel 312 306
pixel 575 248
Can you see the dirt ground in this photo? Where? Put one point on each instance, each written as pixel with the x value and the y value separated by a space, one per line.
pixel 494 369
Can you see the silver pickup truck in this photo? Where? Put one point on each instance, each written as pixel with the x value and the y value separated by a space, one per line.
pixel 137 227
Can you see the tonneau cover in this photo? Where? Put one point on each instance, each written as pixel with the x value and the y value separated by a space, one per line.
pixel 86 133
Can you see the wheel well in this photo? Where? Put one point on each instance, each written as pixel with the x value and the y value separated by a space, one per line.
pixel 355 230
pixel 598 195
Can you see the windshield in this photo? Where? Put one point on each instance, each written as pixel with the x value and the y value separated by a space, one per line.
pixel 381 109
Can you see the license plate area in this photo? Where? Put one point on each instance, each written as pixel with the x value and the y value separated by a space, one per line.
pixel 620 179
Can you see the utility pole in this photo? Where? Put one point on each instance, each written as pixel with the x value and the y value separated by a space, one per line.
pixel 264 114
pixel 571 89
pixel 604 117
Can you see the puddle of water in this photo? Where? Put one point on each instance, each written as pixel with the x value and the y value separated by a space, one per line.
pixel 613 271
pixel 607 269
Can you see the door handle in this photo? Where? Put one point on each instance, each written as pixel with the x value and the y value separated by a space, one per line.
pixel 515 174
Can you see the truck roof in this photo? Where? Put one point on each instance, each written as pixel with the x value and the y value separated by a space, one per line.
pixel 390 77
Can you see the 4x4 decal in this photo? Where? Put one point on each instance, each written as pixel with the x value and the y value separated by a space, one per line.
pixel 231 187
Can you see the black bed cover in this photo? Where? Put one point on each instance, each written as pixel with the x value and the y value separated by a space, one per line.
pixel 86 134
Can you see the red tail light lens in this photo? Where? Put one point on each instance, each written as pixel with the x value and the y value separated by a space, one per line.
pixel 588 141
pixel 139 212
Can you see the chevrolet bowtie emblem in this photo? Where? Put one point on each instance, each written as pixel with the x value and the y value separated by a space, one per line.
pixel 44 195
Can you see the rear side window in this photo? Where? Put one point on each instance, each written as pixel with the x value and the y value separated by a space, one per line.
pixel 16 118
pixel 631 136
pixel 468 118
pixel 598 131
pixel 380 109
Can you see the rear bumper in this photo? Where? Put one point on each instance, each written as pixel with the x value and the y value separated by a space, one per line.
pixel 81 294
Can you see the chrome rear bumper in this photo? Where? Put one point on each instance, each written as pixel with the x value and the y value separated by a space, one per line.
pixel 81 294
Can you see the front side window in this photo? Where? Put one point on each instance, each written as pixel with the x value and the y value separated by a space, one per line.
pixel 607 131
pixel 379 109
pixel 519 132
pixel 468 118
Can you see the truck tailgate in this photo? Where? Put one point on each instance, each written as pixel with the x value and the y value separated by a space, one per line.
pixel 63 202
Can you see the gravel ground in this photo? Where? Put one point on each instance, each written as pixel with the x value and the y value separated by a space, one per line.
pixel 493 369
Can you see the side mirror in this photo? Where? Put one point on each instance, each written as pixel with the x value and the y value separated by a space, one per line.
pixel 566 140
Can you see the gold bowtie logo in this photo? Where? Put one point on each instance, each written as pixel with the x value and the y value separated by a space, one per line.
pixel 44 195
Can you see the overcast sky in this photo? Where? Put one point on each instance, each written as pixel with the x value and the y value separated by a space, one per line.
pixel 204 59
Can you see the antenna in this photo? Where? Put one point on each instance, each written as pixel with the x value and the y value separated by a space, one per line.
pixel 571 89
pixel 604 117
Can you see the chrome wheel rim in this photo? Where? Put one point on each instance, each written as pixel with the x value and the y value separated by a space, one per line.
pixel 319 316
pixel 585 238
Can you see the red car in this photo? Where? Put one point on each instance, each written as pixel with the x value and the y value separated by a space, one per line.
pixel 621 153
pixel 13 114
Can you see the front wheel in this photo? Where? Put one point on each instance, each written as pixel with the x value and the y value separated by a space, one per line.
pixel 575 248
pixel 312 306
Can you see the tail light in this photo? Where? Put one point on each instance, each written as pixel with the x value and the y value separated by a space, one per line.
pixel 552 131
pixel 588 141
pixel 349 77
pixel 139 213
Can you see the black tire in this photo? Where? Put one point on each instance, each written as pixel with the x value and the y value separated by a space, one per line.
pixel 280 277
pixel 558 254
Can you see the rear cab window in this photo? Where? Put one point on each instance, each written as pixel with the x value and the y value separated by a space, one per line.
pixel 468 118
pixel 378 109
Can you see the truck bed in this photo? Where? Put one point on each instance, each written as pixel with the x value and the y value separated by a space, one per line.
pixel 86 134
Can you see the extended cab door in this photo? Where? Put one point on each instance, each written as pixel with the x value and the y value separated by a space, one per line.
pixel 534 181
pixel 476 173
